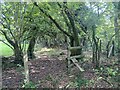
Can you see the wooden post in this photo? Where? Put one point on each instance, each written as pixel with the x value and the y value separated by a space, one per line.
pixel 72 57
pixel 93 53
pixel 26 68
pixel 99 50
pixel 113 48
pixel 68 55
pixel 97 53
pixel 100 46
pixel 110 51
pixel 107 49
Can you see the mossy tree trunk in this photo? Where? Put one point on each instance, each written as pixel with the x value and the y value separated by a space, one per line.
pixel 18 56
pixel 30 50
pixel 96 49
pixel 16 49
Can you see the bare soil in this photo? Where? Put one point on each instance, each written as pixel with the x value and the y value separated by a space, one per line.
pixel 51 72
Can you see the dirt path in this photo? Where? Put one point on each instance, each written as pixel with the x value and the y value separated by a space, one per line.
pixel 50 72
pixel 44 71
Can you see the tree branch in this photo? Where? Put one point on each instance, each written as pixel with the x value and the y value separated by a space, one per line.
pixel 57 25
pixel 8 39
pixel 8 25
pixel 65 17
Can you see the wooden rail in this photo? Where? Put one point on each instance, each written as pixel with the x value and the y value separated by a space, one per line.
pixel 77 56
pixel 74 58
pixel 78 47
pixel 76 63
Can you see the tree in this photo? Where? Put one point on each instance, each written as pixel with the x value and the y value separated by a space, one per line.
pixel 116 25
pixel 117 30
pixel 73 35
pixel 39 27
pixel 12 23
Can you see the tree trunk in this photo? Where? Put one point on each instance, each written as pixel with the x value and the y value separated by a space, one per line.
pixel 65 38
pixel 93 46
pixel 117 29
pixel 119 45
pixel 107 49
pixel 18 55
pixel 71 41
pixel 17 51
pixel 119 48
pixel 30 49
pixel 96 49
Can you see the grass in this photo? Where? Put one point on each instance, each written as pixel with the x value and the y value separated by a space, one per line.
pixel 5 50
pixel 50 51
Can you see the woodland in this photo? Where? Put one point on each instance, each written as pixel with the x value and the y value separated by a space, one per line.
pixel 60 44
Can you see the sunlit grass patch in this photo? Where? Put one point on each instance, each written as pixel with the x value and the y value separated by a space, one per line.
pixel 5 50
pixel 49 51
pixel 46 49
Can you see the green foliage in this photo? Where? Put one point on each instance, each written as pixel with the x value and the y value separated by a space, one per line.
pixel 21 21
pixel 111 72
pixel 80 81
pixel 29 85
